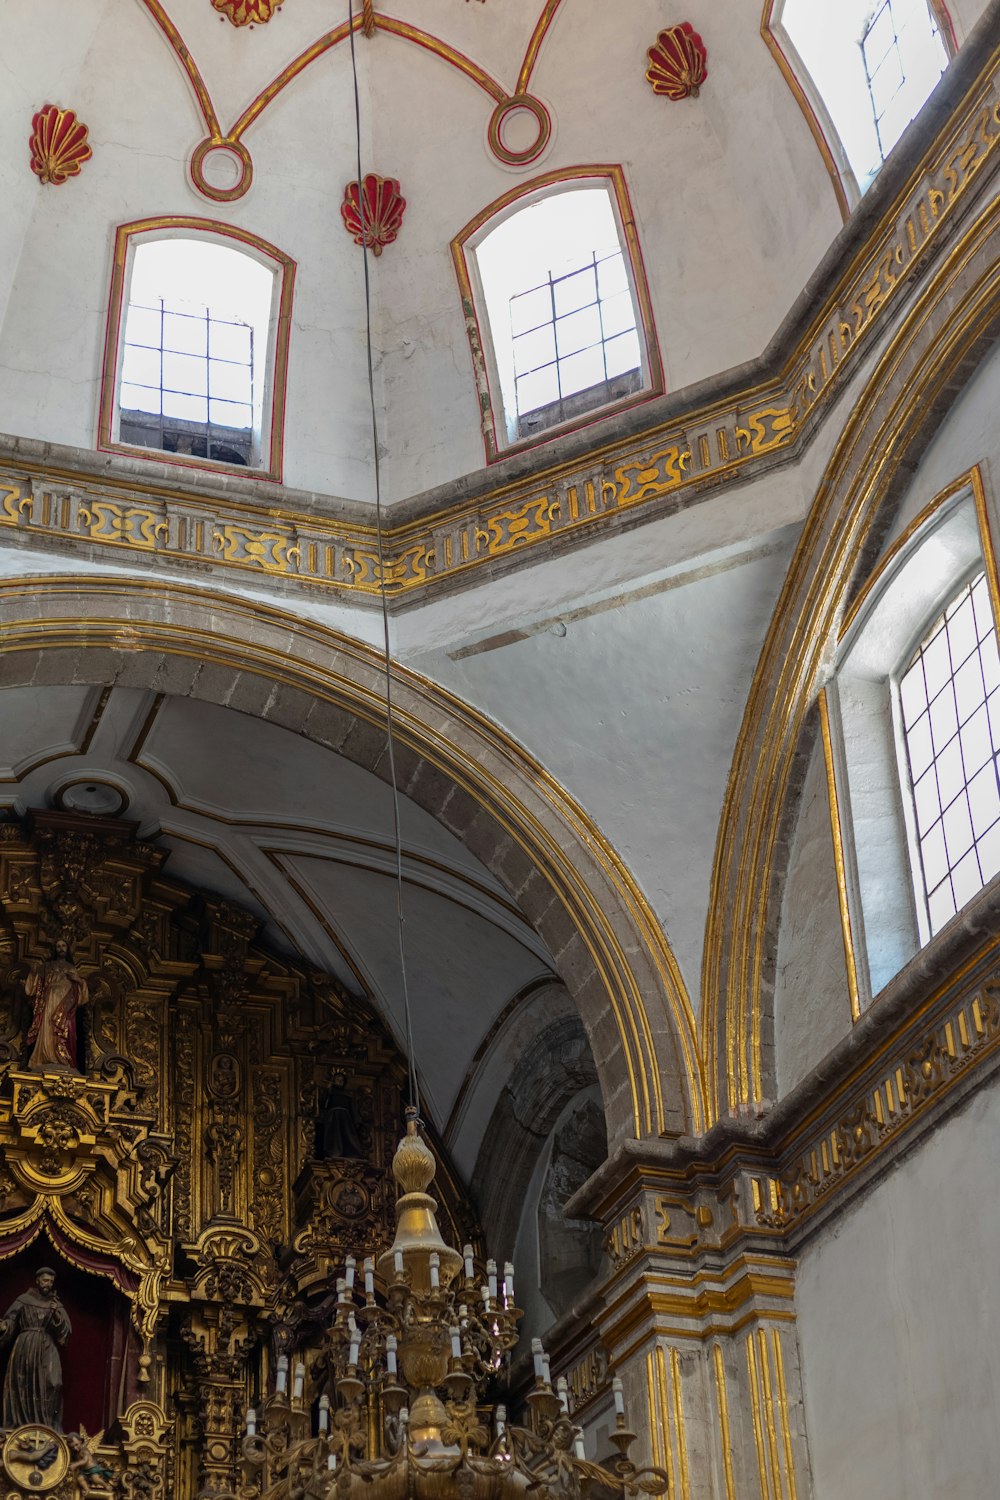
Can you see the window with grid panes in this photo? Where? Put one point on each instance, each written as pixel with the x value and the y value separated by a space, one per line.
pixel 189 370
pixel 949 699
pixel 572 332
pixel 904 56
pixel 195 342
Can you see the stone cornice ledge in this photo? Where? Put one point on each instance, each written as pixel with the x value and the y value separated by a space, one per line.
pixel 932 1035
pixel 618 473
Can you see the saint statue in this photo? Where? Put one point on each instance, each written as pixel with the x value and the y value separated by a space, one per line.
pixel 33 1388
pixel 57 990
pixel 339 1132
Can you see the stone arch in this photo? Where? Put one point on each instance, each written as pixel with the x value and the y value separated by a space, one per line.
pixel 451 760
pixel 913 385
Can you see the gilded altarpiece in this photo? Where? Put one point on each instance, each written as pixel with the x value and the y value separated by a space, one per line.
pixel 196 1181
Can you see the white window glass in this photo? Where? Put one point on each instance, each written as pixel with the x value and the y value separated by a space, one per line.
pixel 950 705
pixel 195 346
pixel 870 67
pixel 562 314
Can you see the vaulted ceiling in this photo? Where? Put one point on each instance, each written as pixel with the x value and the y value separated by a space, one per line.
pixel 298 835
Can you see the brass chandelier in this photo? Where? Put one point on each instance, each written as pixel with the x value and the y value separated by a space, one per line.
pixel 398 1418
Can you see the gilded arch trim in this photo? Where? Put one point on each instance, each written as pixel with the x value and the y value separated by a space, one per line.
pixel 604 937
pixel 947 330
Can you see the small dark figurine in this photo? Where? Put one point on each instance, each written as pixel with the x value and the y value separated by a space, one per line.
pixel 338 1129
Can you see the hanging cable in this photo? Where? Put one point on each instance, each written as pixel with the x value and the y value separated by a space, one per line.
pixel 411 1064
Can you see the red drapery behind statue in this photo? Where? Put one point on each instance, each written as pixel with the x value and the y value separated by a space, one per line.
pixel 93 1358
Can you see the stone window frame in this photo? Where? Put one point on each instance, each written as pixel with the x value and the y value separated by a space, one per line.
pixel 492 417
pixel 877 856
pixel 275 365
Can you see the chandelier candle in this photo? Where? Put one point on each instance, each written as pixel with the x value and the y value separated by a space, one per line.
pixel 399 1377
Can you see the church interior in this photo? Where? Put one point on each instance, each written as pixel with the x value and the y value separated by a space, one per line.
pixel 499 749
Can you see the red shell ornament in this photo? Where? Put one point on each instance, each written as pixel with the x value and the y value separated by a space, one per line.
pixel 58 144
pixel 677 62
pixel 248 12
pixel 373 215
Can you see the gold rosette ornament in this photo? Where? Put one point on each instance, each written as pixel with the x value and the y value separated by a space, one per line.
pixel 58 144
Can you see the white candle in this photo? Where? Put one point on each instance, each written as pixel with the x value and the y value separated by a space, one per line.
pixel 351 1263
pixel 616 1387
pixel 501 1420
pixel 355 1341
pixel 508 1280
pixel 469 1269
pixel 298 1381
pixel 463 1315
pixel 539 1358
pixel 324 1413
pixel 391 1346
pixel 369 1276
pixel 251 1422
pixel 331 1461
pixel 546 1376
pixel 282 1383
pixel 397 1264
pixel 435 1273
pixel 491 1272
pixel 486 1298
pixel 456 1343
pixel 341 1289
pixel 562 1386
pixel 578 1448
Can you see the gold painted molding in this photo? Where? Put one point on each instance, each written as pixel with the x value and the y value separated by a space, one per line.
pixel 973 484
pixel 814 596
pixel 701 449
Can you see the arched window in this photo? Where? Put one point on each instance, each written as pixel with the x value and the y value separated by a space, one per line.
pixel 197 368
pixel 563 327
pixel 949 697
pixel 862 68
pixel 913 718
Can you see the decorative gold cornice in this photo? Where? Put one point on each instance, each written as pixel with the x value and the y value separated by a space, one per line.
pixel 670 463
pixel 701 1215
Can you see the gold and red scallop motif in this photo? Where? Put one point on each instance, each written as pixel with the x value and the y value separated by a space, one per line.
pixel 59 145
pixel 248 12
pixel 677 62
pixel 373 213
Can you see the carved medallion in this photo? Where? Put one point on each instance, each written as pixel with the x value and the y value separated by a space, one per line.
pixel 373 213
pixel 677 62
pixel 248 12
pixel 58 144
pixel 35 1458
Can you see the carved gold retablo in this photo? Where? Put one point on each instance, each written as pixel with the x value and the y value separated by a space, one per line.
pixel 35 1458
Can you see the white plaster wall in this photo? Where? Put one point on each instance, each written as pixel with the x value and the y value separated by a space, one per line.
pixel 964 15
pixel 732 202
pixel 969 435
pixel 634 705
pixel 899 1327
pixel 811 1006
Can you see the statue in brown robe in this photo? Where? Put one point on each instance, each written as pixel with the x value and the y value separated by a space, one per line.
pixel 33 1388
pixel 57 990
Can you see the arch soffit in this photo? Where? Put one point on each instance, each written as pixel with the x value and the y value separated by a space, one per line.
pixel 607 945
pixel 906 397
